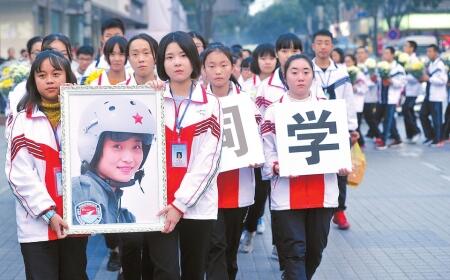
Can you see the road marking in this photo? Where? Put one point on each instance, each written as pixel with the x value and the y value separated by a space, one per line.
pixel 445 177
pixel 432 166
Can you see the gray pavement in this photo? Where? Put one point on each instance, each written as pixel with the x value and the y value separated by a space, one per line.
pixel 399 219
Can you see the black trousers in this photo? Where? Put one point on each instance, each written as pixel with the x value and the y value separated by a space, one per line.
pixel 256 211
pixel 149 255
pixel 195 236
pixel 446 128
pixel 63 259
pixel 112 240
pixel 342 184
pixel 432 131
pixel 361 141
pixel 222 257
pixel 369 113
pixel 303 235
pixel 409 117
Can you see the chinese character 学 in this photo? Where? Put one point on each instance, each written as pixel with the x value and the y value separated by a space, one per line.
pixel 232 121
pixel 309 131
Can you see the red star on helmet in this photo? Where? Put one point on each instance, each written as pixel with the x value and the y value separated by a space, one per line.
pixel 138 118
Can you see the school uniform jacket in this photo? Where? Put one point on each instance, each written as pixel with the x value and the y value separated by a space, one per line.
pixel 270 91
pixel 302 192
pixel 103 80
pixel 237 187
pixel 371 95
pixel 438 81
pixel 336 82
pixel 360 89
pixel 413 86
pixel 250 86
pixel 32 160
pixel 193 190
pixel 394 91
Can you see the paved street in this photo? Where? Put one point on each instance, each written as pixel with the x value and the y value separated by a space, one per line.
pixel 399 219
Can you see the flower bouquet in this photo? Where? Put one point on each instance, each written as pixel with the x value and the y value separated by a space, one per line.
pixel 353 73
pixel 384 69
pixel 93 76
pixel 415 68
pixel 402 58
pixel 11 76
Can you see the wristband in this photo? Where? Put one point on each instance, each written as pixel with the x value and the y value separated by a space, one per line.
pixel 47 216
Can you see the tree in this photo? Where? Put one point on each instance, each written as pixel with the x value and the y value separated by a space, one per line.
pixel 201 15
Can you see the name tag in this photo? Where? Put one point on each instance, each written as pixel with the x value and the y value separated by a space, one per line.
pixel 179 155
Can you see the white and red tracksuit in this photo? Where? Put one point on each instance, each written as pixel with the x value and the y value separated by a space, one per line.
pixel 32 160
pixel 302 192
pixel 103 80
pixel 193 190
pixel 270 91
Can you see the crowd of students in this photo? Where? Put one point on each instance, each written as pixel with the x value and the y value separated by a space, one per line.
pixel 209 215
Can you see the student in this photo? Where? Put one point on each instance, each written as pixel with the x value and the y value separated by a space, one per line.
pixel 359 89
pixel 338 56
pixel 248 80
pixel 110 27
pixel 34 145
pixel 412 90
pixel 141 53
pixel 436 78
pixel 391 89
pixel 335 83
pixel 371 96
pixel 193 121
pixel 85 56
pixel 58 42
pixel 34 46
pixel 246 53
pixel 301 222
pixel 113 148
pixel 115 54
pixel 199 41
pixel 236 187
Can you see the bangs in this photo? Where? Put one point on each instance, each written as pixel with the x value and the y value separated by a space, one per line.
pixel 269 52
pixel 55 61
pixel 289 41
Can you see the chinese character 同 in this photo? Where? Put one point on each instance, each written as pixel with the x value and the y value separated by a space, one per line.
pixel 232 121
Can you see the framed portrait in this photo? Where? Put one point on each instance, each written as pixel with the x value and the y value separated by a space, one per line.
pixel 113 159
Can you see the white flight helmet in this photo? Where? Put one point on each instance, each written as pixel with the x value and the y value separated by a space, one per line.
pixel 114 114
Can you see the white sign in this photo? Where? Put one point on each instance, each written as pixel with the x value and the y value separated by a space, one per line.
pixel 312 137
pixel 242 144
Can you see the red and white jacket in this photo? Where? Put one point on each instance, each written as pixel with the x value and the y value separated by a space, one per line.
pixel 193 190
pixel 302 192
pixel 270 91
pixel 32 161
pixel 237 187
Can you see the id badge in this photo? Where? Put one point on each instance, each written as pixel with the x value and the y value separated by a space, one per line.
pixel 58 181
pixel 179 154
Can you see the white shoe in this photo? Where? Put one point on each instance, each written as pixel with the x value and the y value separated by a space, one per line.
pixel 261 227
pixel 247 246
pixel 415 138
pixel 274 253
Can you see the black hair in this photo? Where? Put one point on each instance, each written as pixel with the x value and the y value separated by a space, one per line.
pixel 152 43
pixel 391 50
pixel 197 35
pixel 47 40
pixel 236 50
pixel 23 51
pixel 247 62
pixel 113 23
pixel 295 57
pixel 288 41
pixel 434 47
pixel 247 50
pixel 362 48
pixel 260 51
pixel 111 43
pixel 412 44
pixel 227 52
pixel 323 32
pixel 58 61
pixel 352 57
pixel 87 50
pixel 186 43
pixel 33 41
pixel 341 54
